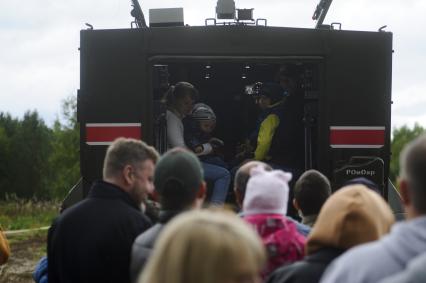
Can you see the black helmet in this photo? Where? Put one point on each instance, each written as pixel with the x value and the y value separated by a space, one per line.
pixel 273 91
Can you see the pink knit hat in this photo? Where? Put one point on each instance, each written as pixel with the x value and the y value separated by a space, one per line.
pixel 266 192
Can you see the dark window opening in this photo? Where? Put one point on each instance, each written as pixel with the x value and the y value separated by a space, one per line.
pixel 225 87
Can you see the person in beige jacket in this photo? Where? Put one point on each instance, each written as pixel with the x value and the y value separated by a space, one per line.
pixel 351 216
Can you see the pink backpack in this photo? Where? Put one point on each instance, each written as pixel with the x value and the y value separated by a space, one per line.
pixel 284 245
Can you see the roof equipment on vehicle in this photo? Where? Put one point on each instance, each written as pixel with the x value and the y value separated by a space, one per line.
pixel 137 13
pixel 321 12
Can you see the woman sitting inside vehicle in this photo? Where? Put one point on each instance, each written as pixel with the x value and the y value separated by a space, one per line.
pixel 179 100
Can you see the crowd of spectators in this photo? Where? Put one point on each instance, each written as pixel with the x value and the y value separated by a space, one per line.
pixel 352 234
pixel 344 236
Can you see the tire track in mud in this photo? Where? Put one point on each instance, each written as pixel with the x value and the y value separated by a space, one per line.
pixel 23 231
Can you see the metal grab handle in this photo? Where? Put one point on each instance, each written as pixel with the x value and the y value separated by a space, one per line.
pixel 265 21
pixel 210 20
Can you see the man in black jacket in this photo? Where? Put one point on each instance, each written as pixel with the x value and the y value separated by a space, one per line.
pixel 91 241
pixel 179 183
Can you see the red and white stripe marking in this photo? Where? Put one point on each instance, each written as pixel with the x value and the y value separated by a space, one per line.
pixel 357 137
pixel 106 133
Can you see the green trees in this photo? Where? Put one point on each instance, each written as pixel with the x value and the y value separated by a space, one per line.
pixel 65 156
pixel 24 144
pixel 401 136
pixel 38 161
pixel 30 147
pixel 8 127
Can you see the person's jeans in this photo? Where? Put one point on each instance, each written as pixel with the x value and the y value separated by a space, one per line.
pixel 221 179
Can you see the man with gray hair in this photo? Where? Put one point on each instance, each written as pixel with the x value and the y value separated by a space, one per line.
pixel 91 241
pixel 390 255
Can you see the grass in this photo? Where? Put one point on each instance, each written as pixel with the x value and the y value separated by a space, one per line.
pixel 16 214
pixel 26 247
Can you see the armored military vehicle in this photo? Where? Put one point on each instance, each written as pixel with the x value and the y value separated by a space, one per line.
pixel 344 78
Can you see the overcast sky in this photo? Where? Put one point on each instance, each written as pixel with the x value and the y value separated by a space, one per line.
pixel 39 58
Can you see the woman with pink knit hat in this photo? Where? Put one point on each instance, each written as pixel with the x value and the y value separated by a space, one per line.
pixel 264 207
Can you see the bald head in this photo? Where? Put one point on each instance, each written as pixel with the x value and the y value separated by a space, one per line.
pixel 242 176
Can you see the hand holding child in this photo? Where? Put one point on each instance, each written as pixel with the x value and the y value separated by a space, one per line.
pixel 215 142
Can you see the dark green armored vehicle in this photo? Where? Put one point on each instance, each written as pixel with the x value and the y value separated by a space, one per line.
pixel 345 79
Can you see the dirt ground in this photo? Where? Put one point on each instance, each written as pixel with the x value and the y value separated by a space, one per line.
pixel 26 251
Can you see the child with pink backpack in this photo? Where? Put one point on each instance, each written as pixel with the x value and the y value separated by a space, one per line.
pixel 264 207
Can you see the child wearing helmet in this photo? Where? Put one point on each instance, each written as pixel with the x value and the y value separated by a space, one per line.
pixel 198 135
pixel 199 126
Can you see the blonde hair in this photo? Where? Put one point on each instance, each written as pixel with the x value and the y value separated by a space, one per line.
pixel 204 247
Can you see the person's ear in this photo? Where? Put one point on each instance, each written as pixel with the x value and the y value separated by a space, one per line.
pixel 128 174
pixel 155 196
pixel 201 195
pixel 404 192
pixel 202 191
pixel 296 204
pixel 238 197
